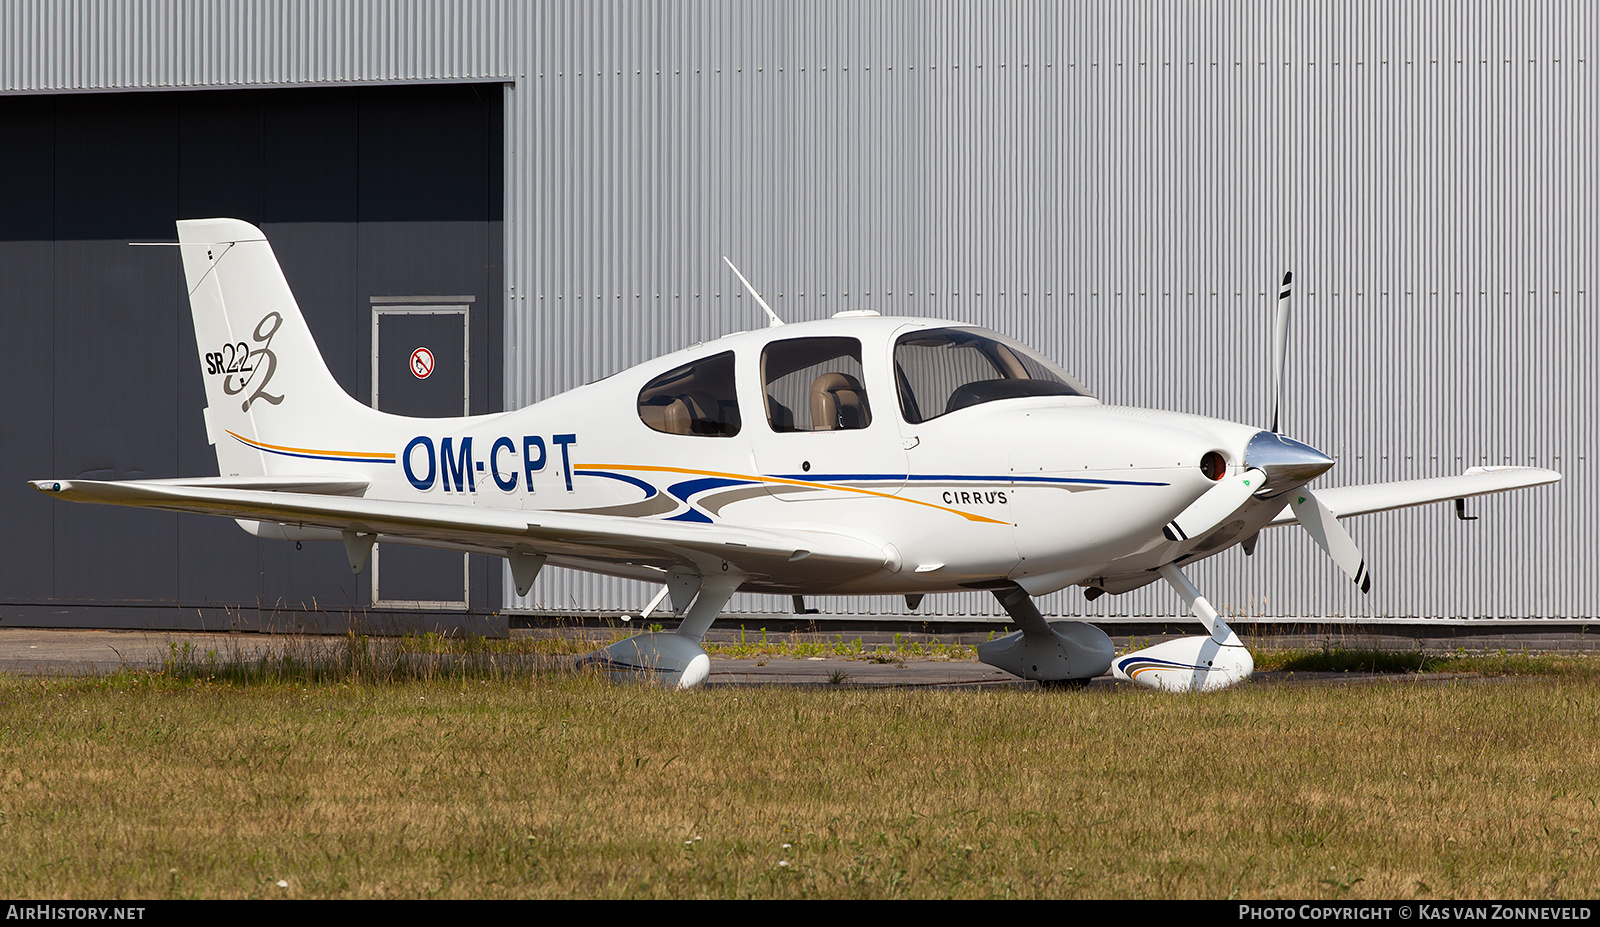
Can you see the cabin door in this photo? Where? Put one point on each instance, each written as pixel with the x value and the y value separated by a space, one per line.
pixel 824 424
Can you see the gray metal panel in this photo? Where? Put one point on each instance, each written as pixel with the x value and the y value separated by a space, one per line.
pixel 53 45
pixel 28 271
pixel 113 367
pixel 27 431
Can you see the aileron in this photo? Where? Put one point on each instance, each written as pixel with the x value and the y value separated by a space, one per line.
pixel 1348 501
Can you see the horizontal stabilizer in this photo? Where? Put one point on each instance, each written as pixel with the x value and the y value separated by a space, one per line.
pixel 324 485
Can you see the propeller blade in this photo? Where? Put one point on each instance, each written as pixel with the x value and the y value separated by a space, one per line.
pixel 1215 505
pixel 1302 463
pixel 1319 522
pixel 1281 348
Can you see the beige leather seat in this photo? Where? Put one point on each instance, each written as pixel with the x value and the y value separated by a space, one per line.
pixel 837 402
pixel 673 418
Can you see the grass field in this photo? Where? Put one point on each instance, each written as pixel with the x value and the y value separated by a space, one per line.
pixel 494 779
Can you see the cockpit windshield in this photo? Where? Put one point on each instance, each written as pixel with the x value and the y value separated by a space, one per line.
pixel 940 370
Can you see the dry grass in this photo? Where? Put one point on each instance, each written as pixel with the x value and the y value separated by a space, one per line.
pixel 749 644
pixel 561 786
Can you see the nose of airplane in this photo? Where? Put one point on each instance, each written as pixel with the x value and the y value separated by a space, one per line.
pixel 1286 462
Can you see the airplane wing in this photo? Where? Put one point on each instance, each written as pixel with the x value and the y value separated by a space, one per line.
pixel 598 539
pixel 1346 501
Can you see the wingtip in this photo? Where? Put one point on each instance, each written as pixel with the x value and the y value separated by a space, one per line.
pixel 1539 475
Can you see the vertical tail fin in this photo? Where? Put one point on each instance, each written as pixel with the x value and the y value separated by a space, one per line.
pixel 266 383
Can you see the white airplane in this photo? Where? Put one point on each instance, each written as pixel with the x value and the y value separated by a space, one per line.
pixel 856 455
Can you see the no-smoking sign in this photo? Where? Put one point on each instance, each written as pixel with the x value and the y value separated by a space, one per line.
pixel 421 363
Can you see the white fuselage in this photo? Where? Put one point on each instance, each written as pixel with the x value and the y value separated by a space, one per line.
pixel 1044 491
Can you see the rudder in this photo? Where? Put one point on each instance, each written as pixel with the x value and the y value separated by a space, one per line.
pixel 263 372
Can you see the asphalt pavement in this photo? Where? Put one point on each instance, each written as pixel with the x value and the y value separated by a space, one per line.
pixel 55 652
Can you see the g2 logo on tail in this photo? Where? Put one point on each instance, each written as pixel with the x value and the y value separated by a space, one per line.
pixel 250 366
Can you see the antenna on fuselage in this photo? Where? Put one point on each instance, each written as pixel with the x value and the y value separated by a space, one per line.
pixel 773 316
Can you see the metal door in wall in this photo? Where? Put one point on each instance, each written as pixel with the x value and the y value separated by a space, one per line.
pixel 420 365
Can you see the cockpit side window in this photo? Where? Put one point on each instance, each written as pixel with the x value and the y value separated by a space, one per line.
pixel 814 384
pixel 695 399
pixel 942 370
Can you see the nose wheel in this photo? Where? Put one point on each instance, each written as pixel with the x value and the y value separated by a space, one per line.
pixel 1190 664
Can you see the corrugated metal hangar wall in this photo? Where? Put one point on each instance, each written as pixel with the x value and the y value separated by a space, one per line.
pixel 1118 184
